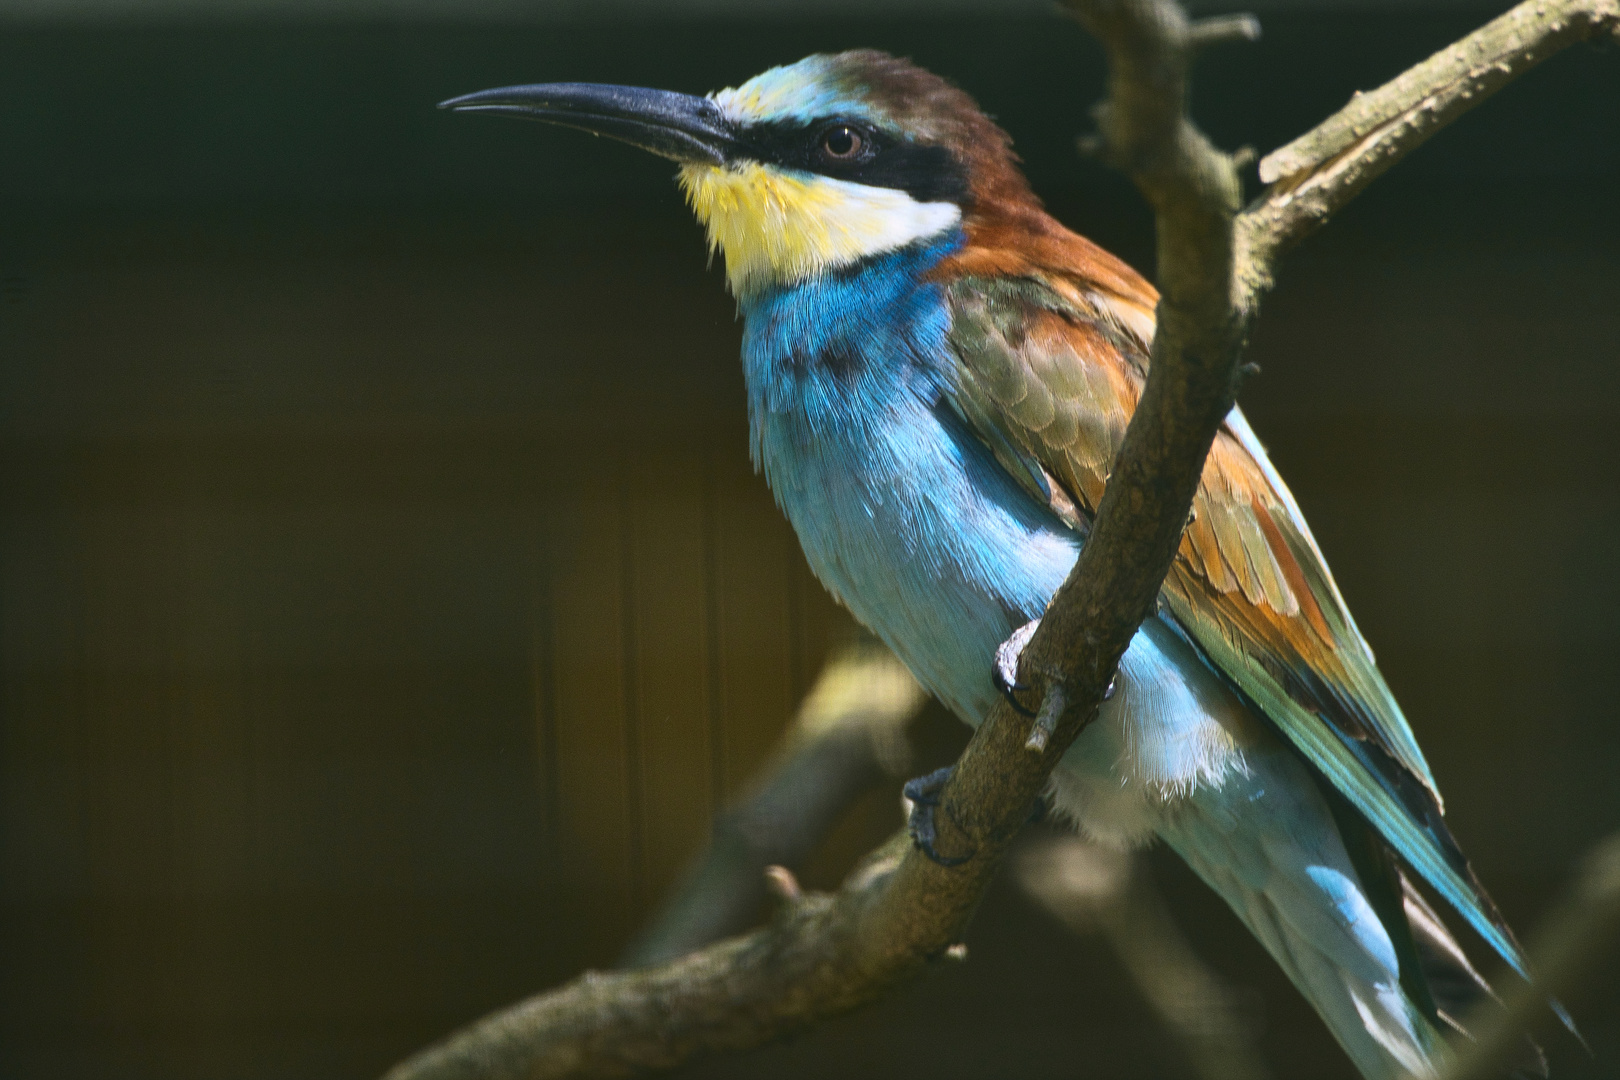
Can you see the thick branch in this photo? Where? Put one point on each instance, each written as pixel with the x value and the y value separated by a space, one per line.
pixel 1322 170
pixel 1195 192
pixel 815 959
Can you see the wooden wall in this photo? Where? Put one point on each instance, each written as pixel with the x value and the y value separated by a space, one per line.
pixel 283 693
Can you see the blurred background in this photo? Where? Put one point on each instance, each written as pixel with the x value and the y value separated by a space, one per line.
pixel 387 603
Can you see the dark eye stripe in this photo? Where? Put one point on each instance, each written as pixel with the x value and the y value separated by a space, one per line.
pixel 926 173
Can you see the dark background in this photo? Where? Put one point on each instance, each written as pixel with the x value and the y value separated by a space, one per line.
pixel 387 604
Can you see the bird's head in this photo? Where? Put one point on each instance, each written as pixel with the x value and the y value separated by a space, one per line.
pixel 805 168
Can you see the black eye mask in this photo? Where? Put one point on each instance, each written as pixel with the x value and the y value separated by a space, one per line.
pixel 926 173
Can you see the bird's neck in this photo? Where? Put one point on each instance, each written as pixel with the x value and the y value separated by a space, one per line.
pixel 858 306
pixel 834 347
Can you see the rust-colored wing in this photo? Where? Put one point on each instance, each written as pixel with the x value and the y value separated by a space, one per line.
pixel 1049 369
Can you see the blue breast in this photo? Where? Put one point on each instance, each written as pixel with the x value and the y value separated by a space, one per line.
pixel 902 512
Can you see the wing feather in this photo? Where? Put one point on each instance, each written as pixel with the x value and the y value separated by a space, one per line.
pixel 1049 371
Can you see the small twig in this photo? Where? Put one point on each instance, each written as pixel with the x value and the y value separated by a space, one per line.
pixel 1477 66
pixel 1223 30
pixel 781 883
pixel 1046 721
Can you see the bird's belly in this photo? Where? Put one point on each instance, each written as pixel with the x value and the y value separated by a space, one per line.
pixel 942 556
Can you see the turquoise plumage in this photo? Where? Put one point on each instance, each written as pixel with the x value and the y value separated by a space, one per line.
pixel 939 375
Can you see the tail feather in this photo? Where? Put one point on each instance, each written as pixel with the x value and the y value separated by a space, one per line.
pixel 1372 1018
pixel 1267 842
pixel 1460 992
pixel 1435 972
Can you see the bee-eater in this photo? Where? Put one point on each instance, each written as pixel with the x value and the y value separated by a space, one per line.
pixel 939 375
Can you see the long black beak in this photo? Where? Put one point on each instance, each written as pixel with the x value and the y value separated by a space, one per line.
pixel 676 126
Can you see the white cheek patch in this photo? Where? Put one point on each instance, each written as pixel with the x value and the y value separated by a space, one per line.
pixel 776 227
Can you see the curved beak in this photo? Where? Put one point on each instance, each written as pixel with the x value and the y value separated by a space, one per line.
pixel 680 127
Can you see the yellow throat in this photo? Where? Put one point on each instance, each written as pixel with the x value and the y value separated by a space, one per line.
pixel 776 226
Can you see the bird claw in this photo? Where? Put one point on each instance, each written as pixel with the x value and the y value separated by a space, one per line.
pixel 924 791
pixel 1004 673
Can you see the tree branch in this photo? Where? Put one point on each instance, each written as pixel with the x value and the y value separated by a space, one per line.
pixel 901 911
pixel 1322 170
pixel 1195 192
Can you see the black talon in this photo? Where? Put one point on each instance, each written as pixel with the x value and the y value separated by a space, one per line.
pixel 1009 692
pixel 923 791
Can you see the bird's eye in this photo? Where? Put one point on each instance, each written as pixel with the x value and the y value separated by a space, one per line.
pixel 842 142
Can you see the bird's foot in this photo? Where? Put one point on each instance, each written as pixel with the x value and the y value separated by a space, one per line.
pixel 1004 673
pixel 924 792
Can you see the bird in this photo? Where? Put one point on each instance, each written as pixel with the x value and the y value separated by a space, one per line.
pixel 938 377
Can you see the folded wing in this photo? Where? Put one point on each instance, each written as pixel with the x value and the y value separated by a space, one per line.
pixel 1050 365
